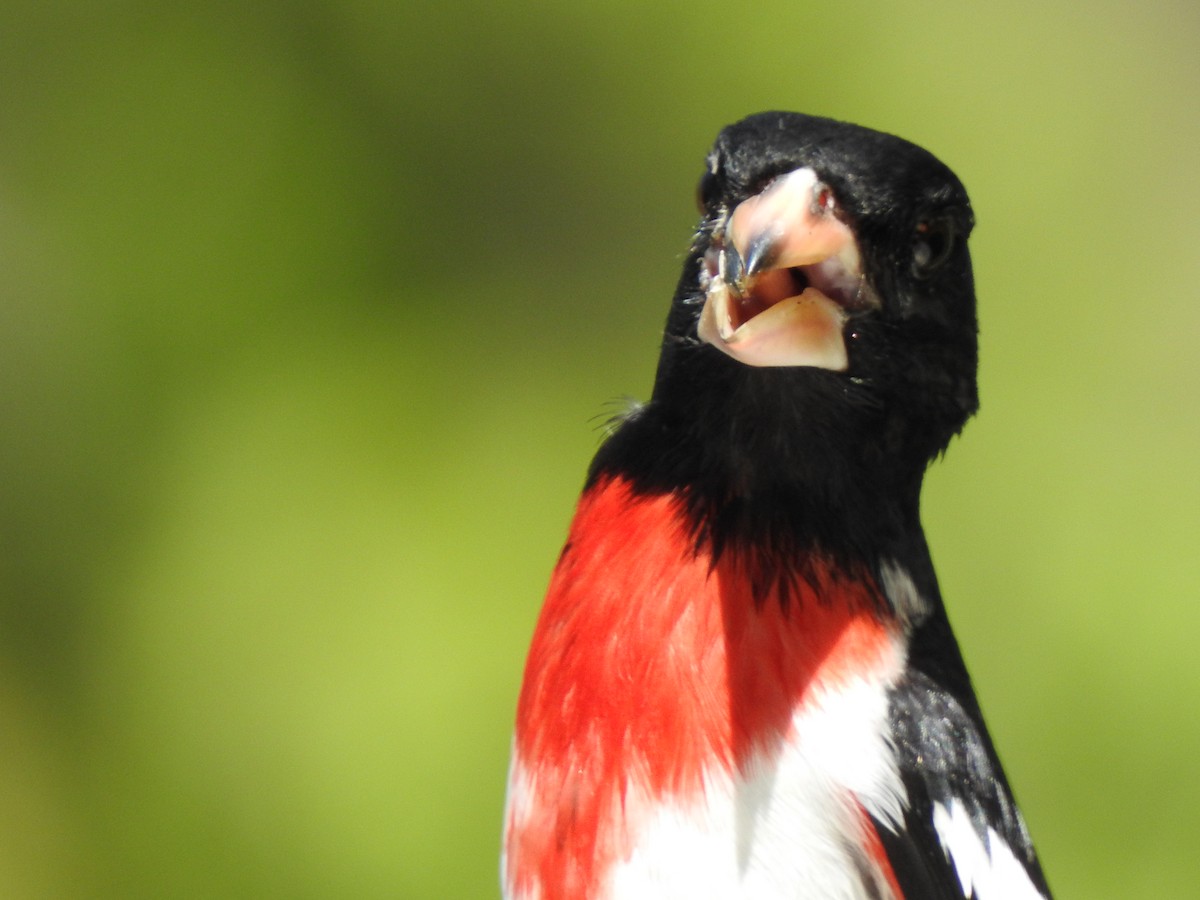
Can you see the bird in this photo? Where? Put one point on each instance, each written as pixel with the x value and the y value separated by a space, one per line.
pixel 743 682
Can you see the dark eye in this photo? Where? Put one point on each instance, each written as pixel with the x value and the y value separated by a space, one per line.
pixel 933 242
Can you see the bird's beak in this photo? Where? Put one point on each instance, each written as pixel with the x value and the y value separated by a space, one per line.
pixel 782 276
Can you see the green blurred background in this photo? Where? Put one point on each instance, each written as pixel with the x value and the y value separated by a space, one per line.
pixel 307 310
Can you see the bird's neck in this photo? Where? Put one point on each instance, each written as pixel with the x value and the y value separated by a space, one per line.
pixel 786 485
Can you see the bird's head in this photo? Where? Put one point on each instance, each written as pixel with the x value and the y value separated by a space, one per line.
pixel 828 290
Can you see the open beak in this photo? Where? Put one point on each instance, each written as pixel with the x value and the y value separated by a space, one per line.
pixel 782 275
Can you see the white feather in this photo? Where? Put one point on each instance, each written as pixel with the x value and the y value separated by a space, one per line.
pixel 902 592
pixel 985 872
pixel 787 827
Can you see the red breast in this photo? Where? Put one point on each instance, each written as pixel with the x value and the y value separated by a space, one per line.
pixel 652 664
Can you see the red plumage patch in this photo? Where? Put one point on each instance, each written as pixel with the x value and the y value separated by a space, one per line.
pixel 876 852
pixel 650 665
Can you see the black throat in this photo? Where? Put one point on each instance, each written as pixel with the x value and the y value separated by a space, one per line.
pixel 785 460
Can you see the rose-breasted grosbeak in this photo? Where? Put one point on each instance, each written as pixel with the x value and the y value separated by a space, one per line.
pixel 743 682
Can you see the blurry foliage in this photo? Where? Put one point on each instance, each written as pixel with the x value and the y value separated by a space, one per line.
pixel 306 312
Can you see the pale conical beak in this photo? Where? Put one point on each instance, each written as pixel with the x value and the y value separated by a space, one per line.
pixel 783 277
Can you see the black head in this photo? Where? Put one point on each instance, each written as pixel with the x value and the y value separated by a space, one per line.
pixel 895 377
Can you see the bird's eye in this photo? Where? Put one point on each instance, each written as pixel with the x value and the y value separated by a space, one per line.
pixel 933 242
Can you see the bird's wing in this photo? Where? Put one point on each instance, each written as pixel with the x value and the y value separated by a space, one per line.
pixel 962 834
